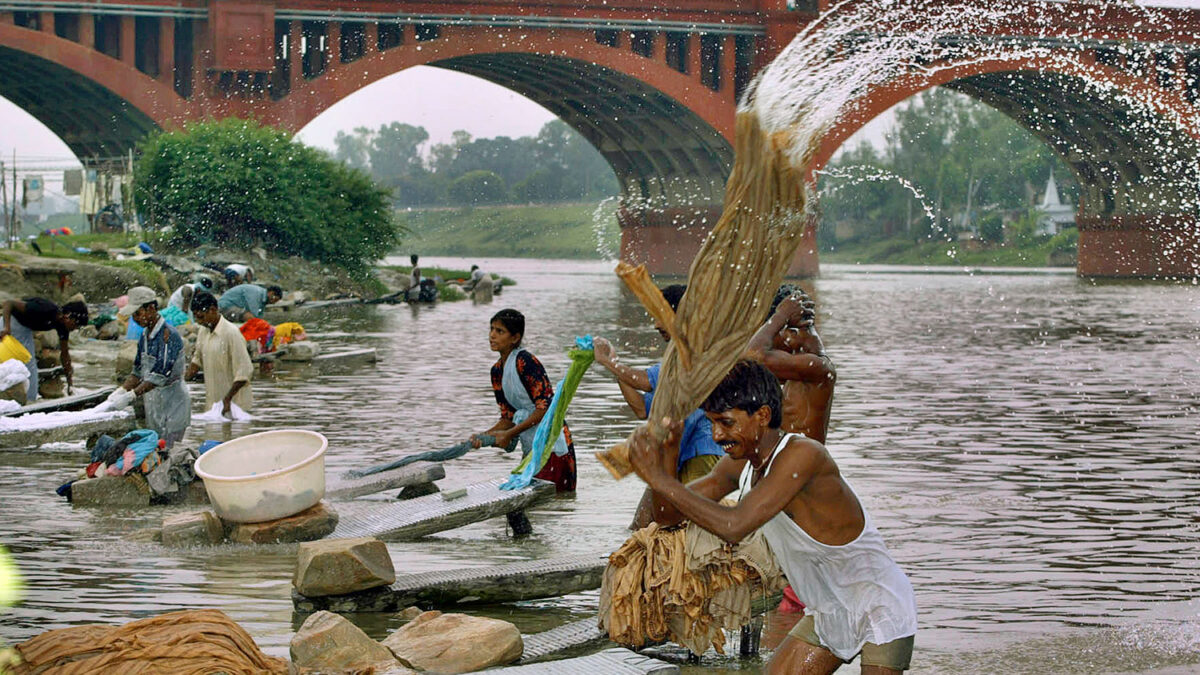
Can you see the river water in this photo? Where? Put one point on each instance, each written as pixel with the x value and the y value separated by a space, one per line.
pixel 1027 443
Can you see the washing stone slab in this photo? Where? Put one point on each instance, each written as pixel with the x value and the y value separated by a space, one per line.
pixel 77 402
pixel 416 518
pixel 114 426
pixel 418 473
pixel 493 584
pixel 615 661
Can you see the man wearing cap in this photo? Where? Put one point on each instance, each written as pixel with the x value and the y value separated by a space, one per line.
pixel 158 368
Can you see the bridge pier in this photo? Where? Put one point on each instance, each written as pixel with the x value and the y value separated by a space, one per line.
pixel 1139 246
pixel 667 240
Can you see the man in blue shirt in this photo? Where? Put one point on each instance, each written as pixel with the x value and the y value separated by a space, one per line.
pixel 698 452
pixel 247 301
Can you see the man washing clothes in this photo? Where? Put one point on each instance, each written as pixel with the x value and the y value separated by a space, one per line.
pixel 859 602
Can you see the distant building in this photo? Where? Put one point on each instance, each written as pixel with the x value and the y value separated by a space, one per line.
pixel 1055 215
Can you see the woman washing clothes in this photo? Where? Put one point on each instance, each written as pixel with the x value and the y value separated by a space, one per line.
pixel 523 393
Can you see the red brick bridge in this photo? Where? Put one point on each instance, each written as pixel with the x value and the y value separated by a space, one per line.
pixel 653 85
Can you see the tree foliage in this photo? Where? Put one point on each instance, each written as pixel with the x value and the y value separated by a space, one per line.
pixel 556 165
pixel 975 167
pixel 237 182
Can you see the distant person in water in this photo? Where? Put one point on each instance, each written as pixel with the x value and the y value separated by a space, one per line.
pixel 237 274
pixel 523 392
pixel 788 345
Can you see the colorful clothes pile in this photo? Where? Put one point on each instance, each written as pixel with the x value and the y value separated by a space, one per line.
pixel 684 585
pixel 257 330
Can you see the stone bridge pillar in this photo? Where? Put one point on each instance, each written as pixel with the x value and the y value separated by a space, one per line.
pixel 1145 246
pixel 666 240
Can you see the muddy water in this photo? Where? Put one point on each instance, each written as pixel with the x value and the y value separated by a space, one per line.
pixel 1027 443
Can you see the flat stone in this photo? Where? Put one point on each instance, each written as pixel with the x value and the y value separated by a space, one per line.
pixel 110 330
pixel 19 392
pixel 125 358
pixel 132 490
pixel 302 350
pixel 152 534
pixel 455 643
pixel 198 528
pixel 340 566
pixel 89 332
pixel 47 339
pixel 418 490
pixel 310 524
pixel 52 388
pixel 329 643
pixel 409 613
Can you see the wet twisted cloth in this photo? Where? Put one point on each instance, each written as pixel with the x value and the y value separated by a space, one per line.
pixel 177 643
pixel 684 585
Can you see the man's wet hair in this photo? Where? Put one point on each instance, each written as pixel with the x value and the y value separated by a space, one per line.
pixel 673 294
pixel 748 387
pixel 203 301
pixel 785 291
pixel 205 282
pixel 276 290
pixel 512 320
pixel 77 312
pixel 414 258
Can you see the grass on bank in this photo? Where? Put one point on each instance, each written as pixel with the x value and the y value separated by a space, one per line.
pixel 899 251
pixel 540 231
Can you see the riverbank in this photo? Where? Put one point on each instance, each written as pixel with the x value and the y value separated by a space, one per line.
pixel 1054 252
pixel 530 231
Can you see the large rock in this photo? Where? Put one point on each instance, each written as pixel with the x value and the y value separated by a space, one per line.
pixel 307 525
pixel 89 331
pixel 54 387
pixel 110 331
pixel 329 643
pixel 456 643
pixel 19 392
pixel 131 490
pixel 47 339
pixel 341 566
pixel 125 359
pixel 199 528
pixel 303 350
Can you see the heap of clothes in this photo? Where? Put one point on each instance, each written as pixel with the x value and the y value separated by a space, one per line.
pixel 684 585
pixel 270 338
pixel 191 641
pixel 140 452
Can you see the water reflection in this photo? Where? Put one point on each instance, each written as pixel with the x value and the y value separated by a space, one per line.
pixel 1027 445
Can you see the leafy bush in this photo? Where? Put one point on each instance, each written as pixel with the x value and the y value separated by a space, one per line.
pixel 478 187
pixel 236 182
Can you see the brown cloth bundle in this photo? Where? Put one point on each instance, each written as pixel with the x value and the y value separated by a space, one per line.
pixel 684 585
pixel 731 281
pixel 195 642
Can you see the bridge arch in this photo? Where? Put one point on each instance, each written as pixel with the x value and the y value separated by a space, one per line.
pixel 666 138
pixel 1132 145
pixel 99 106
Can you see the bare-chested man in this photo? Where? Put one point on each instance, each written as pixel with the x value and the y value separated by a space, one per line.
pixel 788 345
pixel 859 601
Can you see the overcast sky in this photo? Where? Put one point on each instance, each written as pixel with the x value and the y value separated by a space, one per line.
pixel 439 100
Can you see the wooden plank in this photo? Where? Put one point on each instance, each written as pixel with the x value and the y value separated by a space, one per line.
pixel 583 634
pixel 68 432
pixel 77 402
pixel 576 636
pixel 415 518
pixel 413 474
pixel 615 661
pixel 513 582
pixel 346 358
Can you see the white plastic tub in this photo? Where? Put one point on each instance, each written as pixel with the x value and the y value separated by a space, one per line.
pixel 265 476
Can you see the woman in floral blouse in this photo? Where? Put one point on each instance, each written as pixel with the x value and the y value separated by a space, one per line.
pixel 523 393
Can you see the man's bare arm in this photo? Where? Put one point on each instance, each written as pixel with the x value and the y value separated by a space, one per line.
pixel 791 471
pixel 808 368
pixel 719 482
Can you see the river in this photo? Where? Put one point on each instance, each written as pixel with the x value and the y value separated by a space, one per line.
pixel 1027 443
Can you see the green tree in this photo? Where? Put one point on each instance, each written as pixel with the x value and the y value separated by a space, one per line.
pixel 478 187
pixel 354 149
pixel 395 150
pixel 237 182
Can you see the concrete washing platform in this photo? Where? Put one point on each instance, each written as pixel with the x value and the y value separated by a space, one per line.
pixel 514 582
pixel 78 402
pixel 68 432
pixel 419 473
pixel 616 661
pixel 416 518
